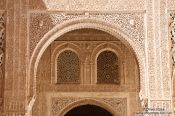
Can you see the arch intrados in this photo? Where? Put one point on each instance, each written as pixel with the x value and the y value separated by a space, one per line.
pixel 66 27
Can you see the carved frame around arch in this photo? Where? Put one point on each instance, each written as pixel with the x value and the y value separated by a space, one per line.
pixel 61 105
pixel 87 101
pixel 80 23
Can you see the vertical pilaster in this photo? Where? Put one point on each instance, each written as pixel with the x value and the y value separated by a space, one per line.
pixel 165 52
pixel 158 61
pixel 9 56
pixel 15 63
pixel 151 49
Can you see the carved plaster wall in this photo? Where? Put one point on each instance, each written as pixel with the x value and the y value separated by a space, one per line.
pixel 61 105
pixel 128 25
pixel 32 25
pixel 150 42
pixel 95 43
pixel 91 5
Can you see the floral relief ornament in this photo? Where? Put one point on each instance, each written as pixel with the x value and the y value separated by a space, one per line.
pixel 172 31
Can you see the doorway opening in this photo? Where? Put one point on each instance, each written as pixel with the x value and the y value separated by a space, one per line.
pixel 88 110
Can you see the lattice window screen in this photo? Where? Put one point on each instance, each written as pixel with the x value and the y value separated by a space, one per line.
pixel 107 68
pixel 68 67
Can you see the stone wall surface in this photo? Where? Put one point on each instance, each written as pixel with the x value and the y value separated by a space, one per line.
pixel 27 28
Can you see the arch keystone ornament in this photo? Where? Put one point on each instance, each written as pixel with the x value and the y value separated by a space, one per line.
pixel 116 24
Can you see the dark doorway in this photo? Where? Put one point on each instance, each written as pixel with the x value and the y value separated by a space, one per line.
pixel 88 110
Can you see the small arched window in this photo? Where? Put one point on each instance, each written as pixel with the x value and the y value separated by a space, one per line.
pixel 107 68
pixel 68 67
